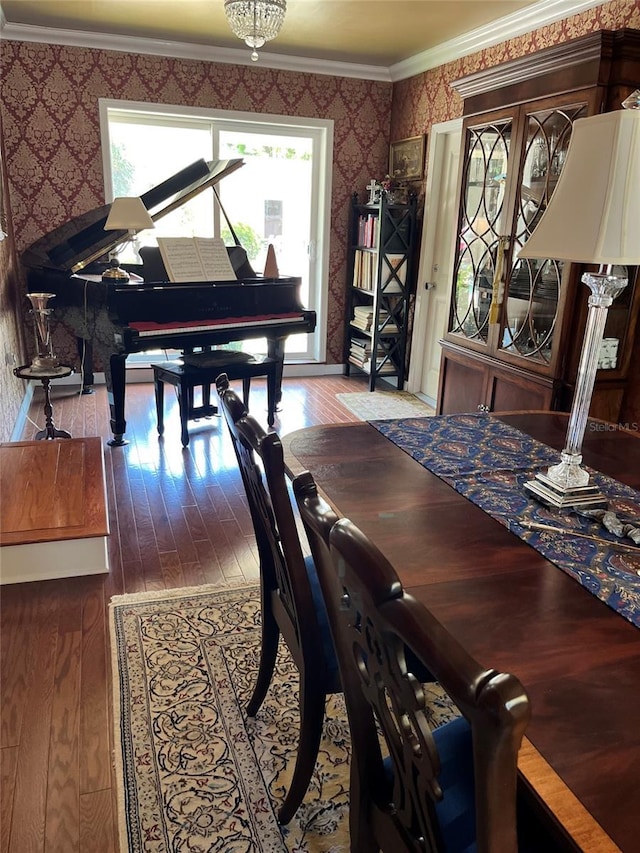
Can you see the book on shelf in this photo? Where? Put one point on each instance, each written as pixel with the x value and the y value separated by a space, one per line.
pixel 364 352
pixel 386 367
pixel 362 317
pixel 365 268
pixel 361 349
pixel 393 273
pixel 196 259
pixel 363 320
pixel 388 329
pixel 368 226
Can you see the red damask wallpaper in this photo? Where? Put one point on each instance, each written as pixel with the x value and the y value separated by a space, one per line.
pixel 52 134
pixel 51 126
pixel 421 101
pixel 11 388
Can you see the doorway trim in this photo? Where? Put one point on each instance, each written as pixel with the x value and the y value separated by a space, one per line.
pixel 432 205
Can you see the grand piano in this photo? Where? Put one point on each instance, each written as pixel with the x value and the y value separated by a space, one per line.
pixel 113 319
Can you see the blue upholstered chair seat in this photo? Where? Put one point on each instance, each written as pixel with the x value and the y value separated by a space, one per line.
pixel 456 810
pixel 323 621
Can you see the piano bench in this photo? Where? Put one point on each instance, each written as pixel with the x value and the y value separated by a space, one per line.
pixel 201 370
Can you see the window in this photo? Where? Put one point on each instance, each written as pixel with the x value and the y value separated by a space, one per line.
pixel 273 218
pixel 281 195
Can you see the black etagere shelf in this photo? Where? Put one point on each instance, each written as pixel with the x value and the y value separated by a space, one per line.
pixel 381 275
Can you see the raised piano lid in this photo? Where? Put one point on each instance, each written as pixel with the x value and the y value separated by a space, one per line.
pixel 72 246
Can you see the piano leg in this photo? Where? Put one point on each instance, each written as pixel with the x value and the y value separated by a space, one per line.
pixel 85 351
pixel 115 380
pixel 275 349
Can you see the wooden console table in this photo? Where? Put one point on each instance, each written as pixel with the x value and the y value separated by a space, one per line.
pixel 53 519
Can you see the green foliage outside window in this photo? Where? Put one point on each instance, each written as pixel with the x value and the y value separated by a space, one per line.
pixel 122 171
pixel 249 239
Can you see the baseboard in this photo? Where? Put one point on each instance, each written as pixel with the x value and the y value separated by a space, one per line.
pixel 428 400
pixel 21 420
pixel 145 374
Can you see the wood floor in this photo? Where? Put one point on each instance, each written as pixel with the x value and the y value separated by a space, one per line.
pixel 177 518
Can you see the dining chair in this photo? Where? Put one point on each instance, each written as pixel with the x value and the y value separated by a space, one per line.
pixel 292 602
pixel 451 788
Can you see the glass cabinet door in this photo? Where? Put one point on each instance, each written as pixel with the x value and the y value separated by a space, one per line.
pixel 480 224
pixel 531 299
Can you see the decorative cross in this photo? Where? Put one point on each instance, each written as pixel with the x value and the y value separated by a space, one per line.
pixel 373 188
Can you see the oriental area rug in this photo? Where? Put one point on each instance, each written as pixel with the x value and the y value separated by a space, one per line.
pixel 196 774
pixel 384 405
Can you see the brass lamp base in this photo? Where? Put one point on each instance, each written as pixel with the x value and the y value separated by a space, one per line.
pixel 564 497
pixel 114 272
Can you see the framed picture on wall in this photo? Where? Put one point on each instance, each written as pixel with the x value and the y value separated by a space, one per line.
pixel 406 158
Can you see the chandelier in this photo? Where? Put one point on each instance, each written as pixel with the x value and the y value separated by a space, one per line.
pixel 255 21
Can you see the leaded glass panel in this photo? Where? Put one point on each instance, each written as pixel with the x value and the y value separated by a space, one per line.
pixel 530 312
pixel 485 172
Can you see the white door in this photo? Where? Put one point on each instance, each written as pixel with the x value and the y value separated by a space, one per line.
pixel 432 304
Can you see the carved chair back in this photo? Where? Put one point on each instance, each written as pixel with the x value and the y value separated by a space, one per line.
pixel 404 783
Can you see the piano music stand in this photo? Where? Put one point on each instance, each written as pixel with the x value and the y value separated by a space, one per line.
pixel 27 371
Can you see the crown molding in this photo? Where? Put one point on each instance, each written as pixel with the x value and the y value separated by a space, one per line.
pixel 540 14
pixel 200 52
pixel 517 24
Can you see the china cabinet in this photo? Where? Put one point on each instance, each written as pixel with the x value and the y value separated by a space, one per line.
pixel 381 276
pixel 515 325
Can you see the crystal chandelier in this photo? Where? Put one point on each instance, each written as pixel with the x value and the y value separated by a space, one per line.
pixel 255 21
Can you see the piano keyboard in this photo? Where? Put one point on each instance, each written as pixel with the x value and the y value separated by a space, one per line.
pixel 147 329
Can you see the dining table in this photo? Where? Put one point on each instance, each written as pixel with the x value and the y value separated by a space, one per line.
pixel 545 594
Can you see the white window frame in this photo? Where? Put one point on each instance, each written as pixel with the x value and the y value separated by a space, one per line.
pixel 321 133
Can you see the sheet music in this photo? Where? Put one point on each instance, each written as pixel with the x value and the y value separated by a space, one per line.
pixel 181 259
pixel 195 259
pixel 215 259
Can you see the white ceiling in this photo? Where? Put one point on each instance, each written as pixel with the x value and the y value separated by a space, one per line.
pixel 378 36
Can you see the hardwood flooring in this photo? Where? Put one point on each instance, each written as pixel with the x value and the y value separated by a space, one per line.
pixel 177 518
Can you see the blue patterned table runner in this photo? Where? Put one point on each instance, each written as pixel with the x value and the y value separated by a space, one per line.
pixel 488 462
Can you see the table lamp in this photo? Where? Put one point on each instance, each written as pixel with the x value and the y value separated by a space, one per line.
pixel 126 214
pixel 593 217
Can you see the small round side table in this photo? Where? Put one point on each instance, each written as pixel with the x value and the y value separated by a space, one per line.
pixel 27 371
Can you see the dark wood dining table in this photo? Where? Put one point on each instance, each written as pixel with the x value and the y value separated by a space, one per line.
pixel 513 609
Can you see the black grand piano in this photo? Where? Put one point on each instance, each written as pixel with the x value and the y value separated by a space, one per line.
pixel 113 319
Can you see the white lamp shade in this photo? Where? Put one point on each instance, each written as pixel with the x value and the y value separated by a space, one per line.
pixel 128 214
pixel 594 212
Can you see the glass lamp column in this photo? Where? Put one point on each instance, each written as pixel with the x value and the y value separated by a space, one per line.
pixel 593 217
pixel 567 483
